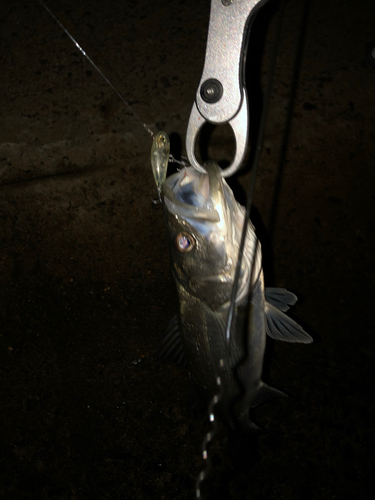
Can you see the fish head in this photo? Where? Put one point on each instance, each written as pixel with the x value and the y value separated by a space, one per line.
pixel 204 225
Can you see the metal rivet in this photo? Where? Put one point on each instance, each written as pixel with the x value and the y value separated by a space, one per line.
pixel 211 90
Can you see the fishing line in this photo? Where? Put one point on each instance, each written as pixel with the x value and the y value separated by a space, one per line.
pixel 258 150
pixel 289 115
pixel 224 362
pixel 97 69
pixel 184 162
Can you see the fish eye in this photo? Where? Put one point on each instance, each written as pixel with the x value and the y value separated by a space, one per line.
pixel 184 242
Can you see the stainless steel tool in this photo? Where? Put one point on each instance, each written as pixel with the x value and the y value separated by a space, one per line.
pixel 221 96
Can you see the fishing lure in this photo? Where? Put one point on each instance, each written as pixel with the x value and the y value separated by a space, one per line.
pixel 159 158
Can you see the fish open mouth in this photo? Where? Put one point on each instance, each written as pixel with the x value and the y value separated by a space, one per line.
pixel 190 194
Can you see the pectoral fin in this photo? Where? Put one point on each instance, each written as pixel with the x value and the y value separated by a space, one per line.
pixel 170 348
pixel 280 327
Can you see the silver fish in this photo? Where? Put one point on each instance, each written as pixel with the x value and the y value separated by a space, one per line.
pixel 204 223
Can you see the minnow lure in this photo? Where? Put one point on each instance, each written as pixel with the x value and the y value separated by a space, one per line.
pixel 159 158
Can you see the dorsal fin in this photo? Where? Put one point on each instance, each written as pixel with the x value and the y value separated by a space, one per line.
pixel 280 298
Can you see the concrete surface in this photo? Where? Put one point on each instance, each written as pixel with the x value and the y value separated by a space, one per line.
pixel 87 411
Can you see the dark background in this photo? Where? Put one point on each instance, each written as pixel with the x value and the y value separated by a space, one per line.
pixel 86 409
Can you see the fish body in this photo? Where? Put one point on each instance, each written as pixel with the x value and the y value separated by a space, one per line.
pixel 204 224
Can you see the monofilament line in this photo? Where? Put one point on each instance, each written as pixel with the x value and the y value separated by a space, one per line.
pixel 259 144
pixel 97 69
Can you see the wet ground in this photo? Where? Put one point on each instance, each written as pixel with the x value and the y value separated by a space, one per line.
pixel 87 410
